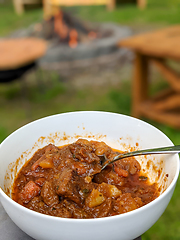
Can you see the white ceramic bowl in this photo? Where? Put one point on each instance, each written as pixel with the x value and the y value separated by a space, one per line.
pixel 120 132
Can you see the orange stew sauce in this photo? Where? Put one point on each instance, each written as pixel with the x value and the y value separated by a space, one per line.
pixel 68 182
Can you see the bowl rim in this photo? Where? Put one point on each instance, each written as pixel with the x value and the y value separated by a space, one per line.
pixel 72 220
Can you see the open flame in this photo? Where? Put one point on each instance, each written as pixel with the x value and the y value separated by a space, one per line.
pixel 59 26
pixel 64 31
pixel 68 33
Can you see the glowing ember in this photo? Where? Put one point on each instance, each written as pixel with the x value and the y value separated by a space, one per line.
pixel 92 35
pixel 73 41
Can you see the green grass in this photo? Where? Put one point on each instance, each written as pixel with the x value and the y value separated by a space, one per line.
pixel 157 13
pixel 10 21
pixel 130 15
pixel 21 103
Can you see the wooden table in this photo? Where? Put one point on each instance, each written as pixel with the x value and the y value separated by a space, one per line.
pixel 18 56
pixel 157 48
pixel 18 52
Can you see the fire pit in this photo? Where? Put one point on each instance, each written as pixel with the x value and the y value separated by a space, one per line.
pixel 74 44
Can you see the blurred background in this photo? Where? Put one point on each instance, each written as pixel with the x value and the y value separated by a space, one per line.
pixel 77 65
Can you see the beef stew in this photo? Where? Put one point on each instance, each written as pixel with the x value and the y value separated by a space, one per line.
pixel 68 182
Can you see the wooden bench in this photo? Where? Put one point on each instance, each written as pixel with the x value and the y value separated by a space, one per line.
pixel 47 4
pixel 50 6
pixel 156 47
pixel 19 4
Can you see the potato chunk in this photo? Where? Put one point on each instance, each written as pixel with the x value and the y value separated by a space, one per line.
pixel 114 191
pixel 46 163
pixel 109 190
pixel 95 198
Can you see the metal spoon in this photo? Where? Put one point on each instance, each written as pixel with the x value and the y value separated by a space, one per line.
pixel 171 149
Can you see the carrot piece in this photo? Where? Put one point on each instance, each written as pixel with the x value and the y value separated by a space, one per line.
pixel 36 164
pixel 40 181
pixel 30 190
pixel 121 172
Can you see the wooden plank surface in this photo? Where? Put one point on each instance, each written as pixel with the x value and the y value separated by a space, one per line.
pixel 49 6
pixel 79 2
pixel 18 52
pixel 169 74
pixel 160 43
pixel 170 118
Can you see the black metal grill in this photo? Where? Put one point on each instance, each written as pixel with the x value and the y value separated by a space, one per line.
pixel 13 74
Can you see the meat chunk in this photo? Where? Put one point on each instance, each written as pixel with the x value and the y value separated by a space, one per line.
pixel 60 210
pixel 66 186
pixel 102 210
pixel 110 177
pixel 126 203
pixel 83 153
pixel 85 161
pixel 37 205
pixel 49 195
pixel 128 164
pixel 30 190
pixel 75 211
pixel 100 148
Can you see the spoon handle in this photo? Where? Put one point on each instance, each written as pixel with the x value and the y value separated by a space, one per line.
pixel 171 149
